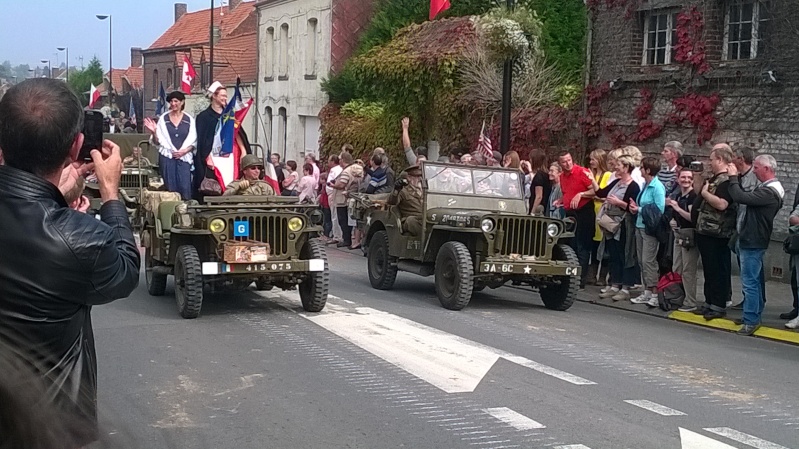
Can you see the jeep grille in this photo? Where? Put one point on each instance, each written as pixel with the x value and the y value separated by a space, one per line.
pixel 524 236
pixel 272 230
pixel 132 181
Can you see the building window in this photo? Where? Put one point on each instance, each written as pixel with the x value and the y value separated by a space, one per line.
pixel 310 48
pixel 283 71
pixel 746 30
pixel 269 53
pixel 155 83
pixel 170 81
pixel 660 37
pixel 268 127
pixel 281 132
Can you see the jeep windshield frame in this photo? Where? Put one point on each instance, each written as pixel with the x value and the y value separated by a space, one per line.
pixel 473 187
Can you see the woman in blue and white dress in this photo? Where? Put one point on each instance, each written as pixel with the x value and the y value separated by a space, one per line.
pixel 177 140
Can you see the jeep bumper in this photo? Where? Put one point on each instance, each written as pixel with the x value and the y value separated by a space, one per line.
pixel 260 268
pixel 532 269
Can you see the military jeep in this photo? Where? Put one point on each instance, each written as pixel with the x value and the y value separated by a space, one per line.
pixel 231 242
pixel 475 234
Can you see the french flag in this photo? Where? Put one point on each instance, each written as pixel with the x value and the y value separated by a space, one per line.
pixel 94 95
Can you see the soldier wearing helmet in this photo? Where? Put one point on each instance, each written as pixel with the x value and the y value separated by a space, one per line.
pixel 250 182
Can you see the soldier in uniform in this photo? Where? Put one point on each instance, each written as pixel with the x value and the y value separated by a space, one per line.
pixel 250 184
pixel 407 196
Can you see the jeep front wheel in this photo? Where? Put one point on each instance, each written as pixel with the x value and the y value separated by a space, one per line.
pixel 313 290
pixel 188 282
pixel 156 282
pixel 381 267
pixel 454 275
pixel 561 296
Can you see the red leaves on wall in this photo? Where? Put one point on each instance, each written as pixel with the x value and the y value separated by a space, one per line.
pixel 591 123
pixel 647 129
pixel 698 110
pixel 690 48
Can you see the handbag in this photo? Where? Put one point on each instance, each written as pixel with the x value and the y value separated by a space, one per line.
pixel 210 187
pixel 608 223
pixel 791 243
pixel 685 237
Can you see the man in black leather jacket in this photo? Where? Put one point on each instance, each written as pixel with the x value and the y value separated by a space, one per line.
pixel 55 262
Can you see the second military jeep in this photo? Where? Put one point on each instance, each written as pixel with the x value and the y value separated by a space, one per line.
pixel 231 242
pixel 475 234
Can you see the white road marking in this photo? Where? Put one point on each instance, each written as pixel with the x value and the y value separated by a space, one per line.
pixel 572 446
pixel 693 440
pixel 449 362
pixel 514 419
pixel 744 438
pixel 655 407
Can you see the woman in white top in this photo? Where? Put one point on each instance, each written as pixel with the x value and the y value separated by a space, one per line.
pixel 177 138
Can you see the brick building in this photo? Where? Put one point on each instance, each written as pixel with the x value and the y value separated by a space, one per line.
pixel 700 72
pixel 300 42
pixel 189 36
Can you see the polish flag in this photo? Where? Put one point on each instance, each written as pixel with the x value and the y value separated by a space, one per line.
pixel 94 95
pixel 437 7
pixel 188 76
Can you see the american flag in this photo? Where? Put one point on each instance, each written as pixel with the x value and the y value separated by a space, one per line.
pixel 484 147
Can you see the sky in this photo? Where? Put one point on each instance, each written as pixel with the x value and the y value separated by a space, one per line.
pixel 31 30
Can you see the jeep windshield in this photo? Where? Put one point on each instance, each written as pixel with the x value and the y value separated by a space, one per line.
pixel 468 180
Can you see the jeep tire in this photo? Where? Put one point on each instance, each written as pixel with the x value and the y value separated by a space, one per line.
pixel 561 296
pixel 188 282
pixel 454 275
pixel 381 266
pixel 313 290
pixel 156 282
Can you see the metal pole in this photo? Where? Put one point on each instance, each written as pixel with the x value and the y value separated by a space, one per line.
pixel 110 65
pixel 507 81
pixel 67 65
pixel 211 43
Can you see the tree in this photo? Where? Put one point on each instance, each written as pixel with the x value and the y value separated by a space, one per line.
pixel 81 80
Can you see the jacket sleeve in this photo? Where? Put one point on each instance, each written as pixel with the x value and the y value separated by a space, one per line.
pixel 757 197
pixel 410 156
pixel 115 273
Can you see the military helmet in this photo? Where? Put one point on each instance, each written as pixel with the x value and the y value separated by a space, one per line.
pixel 250 160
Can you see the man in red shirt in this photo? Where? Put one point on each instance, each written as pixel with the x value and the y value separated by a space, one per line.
pixel 575 182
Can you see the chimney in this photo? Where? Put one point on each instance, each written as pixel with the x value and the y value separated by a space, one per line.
pixel 180 10
pixel 135 56
pixel 232 4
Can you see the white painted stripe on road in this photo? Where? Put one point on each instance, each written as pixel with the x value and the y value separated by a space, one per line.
pixel 693 440
pixel 572 446
pixel 655 407
pixel 744 438
pixel 548 370
pixel 449 362
pixel 513 418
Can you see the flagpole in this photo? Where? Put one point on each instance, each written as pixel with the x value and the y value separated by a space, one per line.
pixel 211 43
pixel 507 81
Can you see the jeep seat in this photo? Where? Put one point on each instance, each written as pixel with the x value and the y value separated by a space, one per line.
pixel 161 205
pixel 166 210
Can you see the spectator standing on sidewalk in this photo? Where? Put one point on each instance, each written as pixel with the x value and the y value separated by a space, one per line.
pixel 540 185
pixel 597 162
pixel 762 205
pixel 794 313
pixel 715 224
pixel 743 160
pixel 686 256
pixel 342 185
pixel 653 194
pixel 668 172
pixel 334 169
pixel 576 184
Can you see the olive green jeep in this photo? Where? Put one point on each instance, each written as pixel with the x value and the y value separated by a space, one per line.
pixel 231 242
pixel 475 234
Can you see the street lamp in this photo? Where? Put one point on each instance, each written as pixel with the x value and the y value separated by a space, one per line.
pixel 67 49
pixel 110 65
pixel 49 67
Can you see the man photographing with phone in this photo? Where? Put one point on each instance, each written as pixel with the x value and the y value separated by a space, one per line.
pixel 57 262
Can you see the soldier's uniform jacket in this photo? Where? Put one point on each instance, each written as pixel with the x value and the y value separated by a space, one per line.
pixel 255 188
pixel 408 200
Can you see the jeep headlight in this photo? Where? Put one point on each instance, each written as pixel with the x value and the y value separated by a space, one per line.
pixel 217 225
pixel 487 225
pixel 295 224
pixel 552 230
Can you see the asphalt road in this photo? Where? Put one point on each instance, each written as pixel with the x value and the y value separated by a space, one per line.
pixel 392 369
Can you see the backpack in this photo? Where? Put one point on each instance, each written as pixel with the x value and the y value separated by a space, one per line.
pixel 713 222
pixel 671 294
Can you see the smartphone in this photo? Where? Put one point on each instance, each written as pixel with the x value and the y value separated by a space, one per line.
pixel 92 134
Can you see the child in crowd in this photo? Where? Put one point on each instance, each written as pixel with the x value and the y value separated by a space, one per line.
pixel 307 185
pixel 556 197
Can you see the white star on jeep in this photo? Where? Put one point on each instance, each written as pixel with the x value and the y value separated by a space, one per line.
pixel 527 269
pixel 368 220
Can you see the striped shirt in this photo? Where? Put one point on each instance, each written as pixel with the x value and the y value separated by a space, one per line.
pixel 668 177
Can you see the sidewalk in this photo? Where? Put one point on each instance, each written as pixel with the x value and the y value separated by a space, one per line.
pixel 778 295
